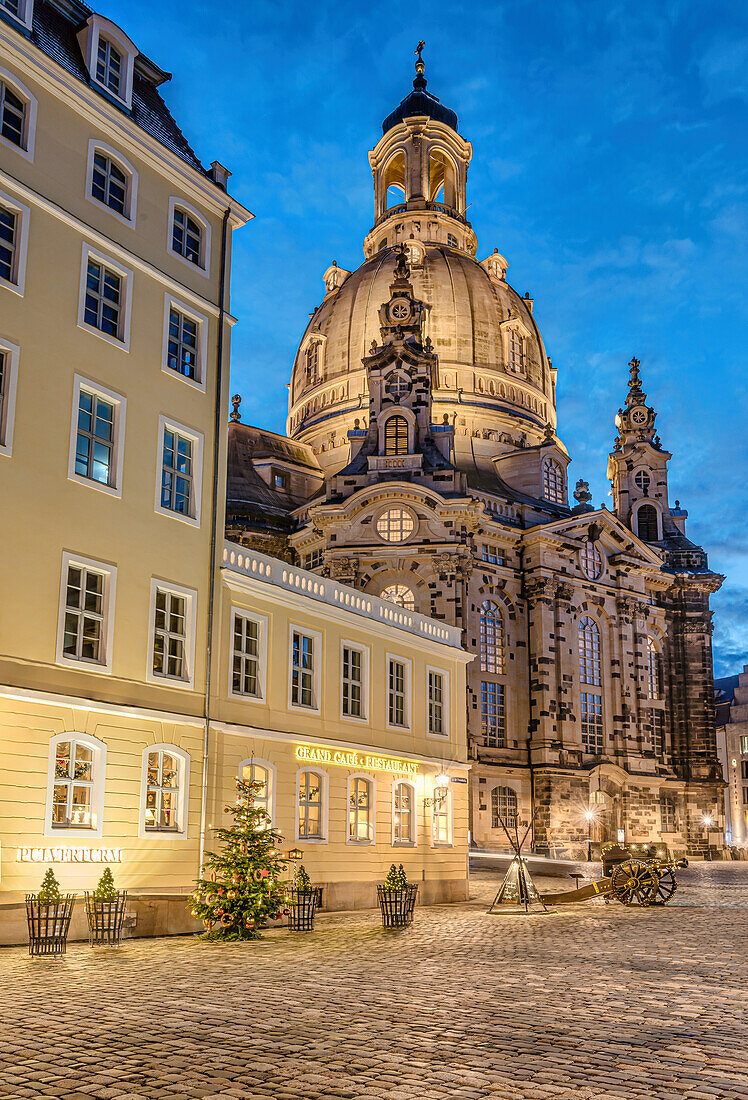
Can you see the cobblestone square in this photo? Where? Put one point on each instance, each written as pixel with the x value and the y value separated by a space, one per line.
pixel 593 1002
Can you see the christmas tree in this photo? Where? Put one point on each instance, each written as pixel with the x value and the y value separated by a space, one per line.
pixel 105 889
pixel 301 880
pixel 240 888
pixel 50 891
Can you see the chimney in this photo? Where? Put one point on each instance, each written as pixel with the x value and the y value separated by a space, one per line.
pixel 219 174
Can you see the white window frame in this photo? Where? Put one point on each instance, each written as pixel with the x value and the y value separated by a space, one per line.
pixel 450 819
pixel 118 441
pixel 126 275
pixel 413 842
pixel 317 658
pixel 63 833
pixel 197 440
pixel 171 302
pixel 514 323
pixel 109 573
pixel 23 216
pixel 190 596
pixel 7 412
pixel 324 806
pixel 370 779
pixel 204 266
pixel 407 662
pixel 272 777
pixel 262 644
pixel 365 652
pixel 131 199
pixel 96 27
pixel 29 138
pixel 27 7
pixel 180 833
pixel 446 700
pixel 395 507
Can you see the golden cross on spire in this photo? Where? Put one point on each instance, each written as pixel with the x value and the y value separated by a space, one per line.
pixel 419 49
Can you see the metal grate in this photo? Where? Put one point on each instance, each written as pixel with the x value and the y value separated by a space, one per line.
pixel 397 906
pixel 105 918
pixel 49 925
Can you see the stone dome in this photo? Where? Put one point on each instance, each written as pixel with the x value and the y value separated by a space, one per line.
pixel 470 315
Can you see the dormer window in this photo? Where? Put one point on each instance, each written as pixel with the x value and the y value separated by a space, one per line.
pixel 517 346
pixel 553 482
pixel 109 55
pixel 312 363
pixel 23 10
pixel 109 66
pixel 396 436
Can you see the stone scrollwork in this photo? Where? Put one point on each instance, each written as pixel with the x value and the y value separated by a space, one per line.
pixel 344 570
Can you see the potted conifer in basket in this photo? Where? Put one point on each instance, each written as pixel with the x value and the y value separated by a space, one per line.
pixel 397 898
pixel 105 909
pixel 48 914
pixel 303 900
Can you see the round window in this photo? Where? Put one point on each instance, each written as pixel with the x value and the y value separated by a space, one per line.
pixel 642 480
pixel 592 562
pixel 396 524
pixel 399 594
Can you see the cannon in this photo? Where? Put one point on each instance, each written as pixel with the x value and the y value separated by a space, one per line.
pixel 630 879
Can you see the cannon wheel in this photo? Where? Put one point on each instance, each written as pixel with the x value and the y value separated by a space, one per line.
pixel 633 882
pixel 664 888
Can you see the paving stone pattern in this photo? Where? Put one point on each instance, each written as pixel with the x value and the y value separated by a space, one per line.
pixel 594 1002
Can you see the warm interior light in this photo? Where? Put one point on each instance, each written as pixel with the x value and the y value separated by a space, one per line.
pixel 442 780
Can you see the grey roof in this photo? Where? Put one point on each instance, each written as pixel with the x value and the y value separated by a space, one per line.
pixel 420 102
pixel 54 32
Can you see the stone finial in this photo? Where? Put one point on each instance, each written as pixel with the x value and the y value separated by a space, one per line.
pixel 582 494
pixel 236 401
pixel 636 395
pixel 550 435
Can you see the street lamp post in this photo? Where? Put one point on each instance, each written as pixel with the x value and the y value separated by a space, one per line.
pixel 589 814
pixel 707 819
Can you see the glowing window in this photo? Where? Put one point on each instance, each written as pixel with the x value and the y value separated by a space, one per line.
pixel 74 772
pixel 395 525
pixel 503 807
pixel 399 594
pixel 404 804
pixel 491 638
pixel 493 717
pixel 592 563
pixel 360 811
pixel 654 671
pixel 589 651
pixel 396 436
pixel 592 722
pixel 553 482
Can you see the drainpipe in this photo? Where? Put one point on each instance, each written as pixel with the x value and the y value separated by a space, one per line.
pixel 217 429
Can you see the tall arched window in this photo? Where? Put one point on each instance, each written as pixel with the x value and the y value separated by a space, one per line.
pixel 491 638
pixel 396 436
pixel 553 481
pixel 399 594
pixel 589 651
pixel 654 671
pixel 311 806
pixel 503 807
pixel 312 363
pixel 13 116
pixel 403 809
pixel 646 523
pixel 360 810
pixel 591 702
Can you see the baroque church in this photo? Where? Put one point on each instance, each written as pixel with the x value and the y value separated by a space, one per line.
pixel 422 463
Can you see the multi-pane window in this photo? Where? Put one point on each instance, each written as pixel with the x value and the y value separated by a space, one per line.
pixel 491 638
pixel 437 703
pixel 170 635
pixel 440 816
pixel 312 363
pixel 396 436
pixel 397 683
pixel 516 351
pixel 553 482
pixel 261 797
pixel 103 305
pixel 72 792
pixel 83 638
pixel 162 791
pixel 503 807
pixel 310 806
pixel 109 66
pixel 4 387
pixel 667 814
pixel 245 672
pixel 592 563
pixel 177 473
pixel 642 481
pixel 8 244
pixel 187 236
pixel 656 720
pixel 94 441
pixel 646 523
pixel 654 671
pixel 109 184
pixel 744 743
pixel 12 116
pixel 353 682
pixel 302 670
pixel 395 525
pixel 182 346
pixel 592 722
pixel 399 594
pixel 493 718
pixel 491 555
pixel 314 559
pixel 451 240
pixel 15 7
pixel 360 810
pixel 589 651
pixel 398 386
pixel 403 808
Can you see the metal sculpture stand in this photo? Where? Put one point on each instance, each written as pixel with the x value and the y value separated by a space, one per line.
pixel 517 888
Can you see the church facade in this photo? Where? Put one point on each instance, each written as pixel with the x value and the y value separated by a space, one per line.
pixel 423 465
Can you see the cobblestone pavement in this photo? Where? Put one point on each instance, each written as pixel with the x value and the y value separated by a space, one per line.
pixel 593 1002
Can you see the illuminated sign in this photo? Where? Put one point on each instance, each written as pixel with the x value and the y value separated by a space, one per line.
pixel 345 758
pixel 69 855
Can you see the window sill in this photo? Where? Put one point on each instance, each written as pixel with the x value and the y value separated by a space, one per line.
pixel 102 667
pixel 360 843
pixel 191 521
pixel 301 709
pixel 199 268
pixel 169 681
pixel 91 483
pixel 62 833
pixel 444 844
pixel 15 288
pixel 404 844
pixel 311 840
pixel 115 341
pixel 128 221
pixel 193 383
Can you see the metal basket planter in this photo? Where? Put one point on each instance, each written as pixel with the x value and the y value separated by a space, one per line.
pixel 303 906
pixel 105 918
pixel 397 905
pixel 49 924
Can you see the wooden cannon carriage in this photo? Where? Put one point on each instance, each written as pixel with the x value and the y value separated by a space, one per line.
pixel 630 879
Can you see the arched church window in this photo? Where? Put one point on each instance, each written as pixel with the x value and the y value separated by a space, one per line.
pixel 312 363
pixel 451 240
pixel 503 807
pixel 396 436
pixel 592 563
pixel 553 481
pixel 642 481
pixel 516 351
pixel 491 638
pixel 396 524
pixel 399 594
pixel 646 523
pixel 654 671
pixel 589 652
pixel 397 387
pixel 394 182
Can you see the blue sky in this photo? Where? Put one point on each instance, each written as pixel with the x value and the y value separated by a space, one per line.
pixel 608 167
